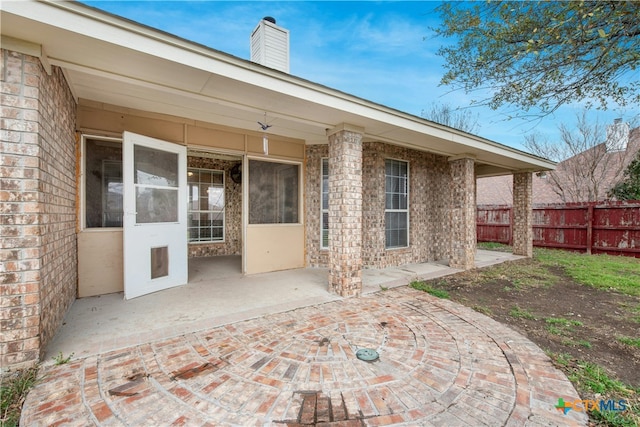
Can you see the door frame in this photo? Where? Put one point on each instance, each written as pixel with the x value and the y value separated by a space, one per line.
pixel 245 206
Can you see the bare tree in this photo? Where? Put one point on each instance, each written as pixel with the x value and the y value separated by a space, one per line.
pixel 455 118
pixel 587 167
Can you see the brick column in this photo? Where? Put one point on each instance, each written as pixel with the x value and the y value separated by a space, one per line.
pixel 523 214
pixel 345 210
pixel 463 213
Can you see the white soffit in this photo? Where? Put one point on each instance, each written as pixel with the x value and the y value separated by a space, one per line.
pixel 113 60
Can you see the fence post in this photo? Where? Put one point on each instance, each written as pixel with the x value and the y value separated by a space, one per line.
pixel 589 228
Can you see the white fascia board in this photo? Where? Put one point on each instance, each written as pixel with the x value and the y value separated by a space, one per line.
pixel 81 19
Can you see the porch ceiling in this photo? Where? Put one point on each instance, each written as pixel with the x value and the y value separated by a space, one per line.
pixel 115 61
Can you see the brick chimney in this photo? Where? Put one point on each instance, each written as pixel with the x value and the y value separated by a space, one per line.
pixel 270 45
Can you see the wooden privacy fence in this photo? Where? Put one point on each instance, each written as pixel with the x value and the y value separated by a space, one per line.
pixel 599 227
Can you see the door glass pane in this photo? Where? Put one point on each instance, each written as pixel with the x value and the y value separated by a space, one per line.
pixel 156 205
pixel 155 167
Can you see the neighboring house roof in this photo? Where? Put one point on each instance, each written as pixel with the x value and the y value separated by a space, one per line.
pixel 114 61
pixel 498 190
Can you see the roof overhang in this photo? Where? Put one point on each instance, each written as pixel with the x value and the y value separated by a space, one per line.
pixel 113 60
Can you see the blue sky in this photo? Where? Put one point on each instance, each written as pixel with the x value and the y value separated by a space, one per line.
pixel 381 51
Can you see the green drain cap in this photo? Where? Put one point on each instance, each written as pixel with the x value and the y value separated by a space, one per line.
pixel 367 354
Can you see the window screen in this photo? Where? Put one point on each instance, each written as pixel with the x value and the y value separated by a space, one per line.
pixel 273 193
pixel 103 183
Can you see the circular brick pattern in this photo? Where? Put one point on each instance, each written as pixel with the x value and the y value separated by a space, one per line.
pixel 439 364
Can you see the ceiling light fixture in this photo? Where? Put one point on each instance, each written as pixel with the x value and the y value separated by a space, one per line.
pixel 265 138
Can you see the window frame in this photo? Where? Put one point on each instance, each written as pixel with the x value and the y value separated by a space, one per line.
pixel 199 211
pixel 406 210
pixel 82 218
pixel 322 209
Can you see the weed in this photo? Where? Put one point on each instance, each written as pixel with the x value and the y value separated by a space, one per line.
pixel 589 378
pixel 422 286
pixel 562 322
pixel 561 358
pixel 584 343
pixel 482 309
pixel 595 379
pixel 572 343
pixel 61 360
pixel 439 293
pixel 633 342
pixel 553 330
pixel 519 313
pixel 612 419
pixel 12 394
pixel 384 288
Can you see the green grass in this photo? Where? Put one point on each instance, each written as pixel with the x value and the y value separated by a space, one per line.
pixel 617 273
pixel 519 313
pixel 594 379
pixel 612 419
pixel 633 342
pixel 592 382
pixel 14 390
pixel 572 343
pixel 520 275
pixel 562 322
pixel 560 326
pixel 424 287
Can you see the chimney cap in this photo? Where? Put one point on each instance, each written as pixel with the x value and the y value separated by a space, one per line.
pixel 269 19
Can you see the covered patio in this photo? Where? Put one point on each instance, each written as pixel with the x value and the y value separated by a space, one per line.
pixel 218 294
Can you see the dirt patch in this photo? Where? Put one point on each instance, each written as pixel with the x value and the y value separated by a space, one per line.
pixel 562 317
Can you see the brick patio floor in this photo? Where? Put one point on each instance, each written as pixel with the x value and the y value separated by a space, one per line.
pixel 440 364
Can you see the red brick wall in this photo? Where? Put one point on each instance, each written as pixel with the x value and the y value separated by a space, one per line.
pixel 38 214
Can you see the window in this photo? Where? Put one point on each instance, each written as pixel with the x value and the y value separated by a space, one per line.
pixel 273 192
pixel 103 183
pixel 396 204
pixel 206 205
pixel 324 209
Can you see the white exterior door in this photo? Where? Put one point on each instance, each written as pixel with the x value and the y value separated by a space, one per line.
pixel 155 215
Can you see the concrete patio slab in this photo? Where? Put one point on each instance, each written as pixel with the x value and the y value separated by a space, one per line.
pixel 217 294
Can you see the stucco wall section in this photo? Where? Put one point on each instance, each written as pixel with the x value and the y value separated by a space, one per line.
pixel 463 214
pixel 232 244
pixel 38 214
pixel 523 214
pixel 345 213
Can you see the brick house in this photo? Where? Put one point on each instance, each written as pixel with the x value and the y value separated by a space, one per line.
pixel 126 151
pixel 585 177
